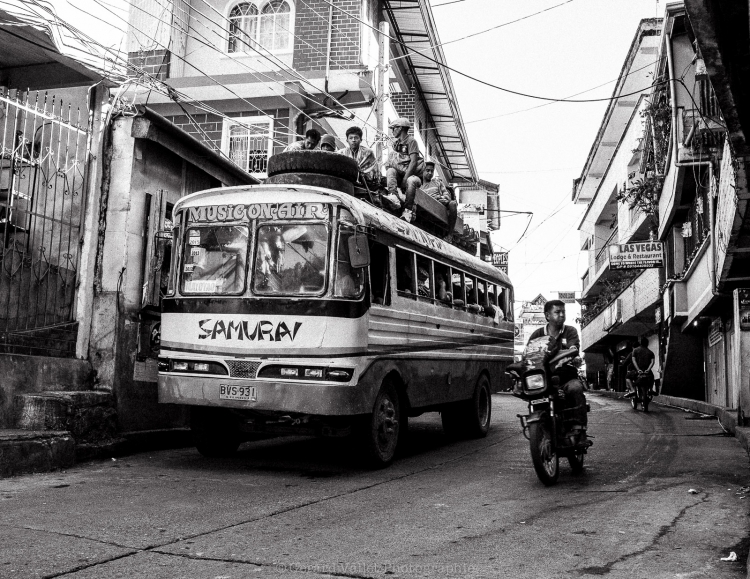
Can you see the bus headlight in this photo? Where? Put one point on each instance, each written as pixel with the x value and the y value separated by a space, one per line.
pixel 192 367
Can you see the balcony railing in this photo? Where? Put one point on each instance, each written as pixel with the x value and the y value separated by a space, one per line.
pixel 603 256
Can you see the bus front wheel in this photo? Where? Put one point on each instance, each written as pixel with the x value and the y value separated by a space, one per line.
pixel 381 430
pixel 214 434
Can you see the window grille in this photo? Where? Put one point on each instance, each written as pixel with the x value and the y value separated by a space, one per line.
pixel 248 142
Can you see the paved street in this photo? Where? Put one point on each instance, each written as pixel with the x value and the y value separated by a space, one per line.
pixel 299 508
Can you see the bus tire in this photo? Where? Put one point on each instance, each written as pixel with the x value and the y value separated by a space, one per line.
pixel 380 432
pixel 214 434
pixel 469 418
pixel 480 414
pixel 321 162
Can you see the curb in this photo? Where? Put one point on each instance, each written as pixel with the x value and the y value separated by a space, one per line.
pixel 727 416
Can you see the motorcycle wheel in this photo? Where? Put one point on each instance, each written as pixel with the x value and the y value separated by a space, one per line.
pixel 646 400
pixel 543 453
pixel 634 402
pixel 576 462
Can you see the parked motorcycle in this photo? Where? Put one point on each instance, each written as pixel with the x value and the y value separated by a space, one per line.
pixel 643 393
pixel 551 434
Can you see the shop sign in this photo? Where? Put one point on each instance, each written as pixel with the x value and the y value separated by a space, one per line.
pixel 641 255
pixel 714 334
pixel 500 261
pixel 744 307
pixel 567 297
pixel 214 213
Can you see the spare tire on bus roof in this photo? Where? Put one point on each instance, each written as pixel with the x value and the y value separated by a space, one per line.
pixel 321 162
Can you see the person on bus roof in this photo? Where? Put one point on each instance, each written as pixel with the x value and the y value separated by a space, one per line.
pixel 435 188
pixel 309 143
pixel 364 156
pixel 404 167
pixel 328 144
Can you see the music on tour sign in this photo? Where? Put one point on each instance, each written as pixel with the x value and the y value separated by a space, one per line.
pixel 500 261
pixel 639 255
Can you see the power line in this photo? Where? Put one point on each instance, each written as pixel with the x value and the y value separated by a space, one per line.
pixel 488 29
pixel 484 82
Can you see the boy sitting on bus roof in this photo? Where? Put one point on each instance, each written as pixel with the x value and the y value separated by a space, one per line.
pixel 435 188
pixel 364 156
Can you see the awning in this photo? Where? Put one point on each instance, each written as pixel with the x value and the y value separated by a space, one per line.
pixel 413 25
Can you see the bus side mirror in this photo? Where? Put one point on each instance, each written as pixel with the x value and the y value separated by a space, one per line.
pixel 359 251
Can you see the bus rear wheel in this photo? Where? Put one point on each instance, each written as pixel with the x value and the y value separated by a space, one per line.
pixel 214 433
pixel 469 418
pixel 381 430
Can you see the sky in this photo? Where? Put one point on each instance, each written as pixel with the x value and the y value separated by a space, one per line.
pixel 533 152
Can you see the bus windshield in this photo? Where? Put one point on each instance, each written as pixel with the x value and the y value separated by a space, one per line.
pixel 291 259
pixel 215 260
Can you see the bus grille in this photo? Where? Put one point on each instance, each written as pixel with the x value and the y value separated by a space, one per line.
pixel 242 368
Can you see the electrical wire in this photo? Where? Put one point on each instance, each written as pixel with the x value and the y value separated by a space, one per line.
pixel 484 82
pixel 433 46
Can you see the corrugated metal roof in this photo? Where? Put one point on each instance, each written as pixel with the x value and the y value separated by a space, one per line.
pixel 414 26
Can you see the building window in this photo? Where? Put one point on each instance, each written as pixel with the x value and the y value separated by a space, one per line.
pixel 274 25
pixel 254 25
pixel 248 141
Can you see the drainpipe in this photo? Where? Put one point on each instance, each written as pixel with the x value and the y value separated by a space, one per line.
pixel 328 48
pixel 677 163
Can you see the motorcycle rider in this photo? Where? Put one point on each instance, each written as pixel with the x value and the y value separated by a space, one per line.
pixel 564 337
pixel 642 360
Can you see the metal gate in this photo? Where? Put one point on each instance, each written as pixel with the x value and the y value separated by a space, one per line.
pixel 43 164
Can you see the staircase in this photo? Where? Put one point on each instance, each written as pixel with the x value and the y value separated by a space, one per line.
pixel 50 429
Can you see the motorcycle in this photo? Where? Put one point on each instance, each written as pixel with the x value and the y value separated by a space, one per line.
pixel 550 433
pixel 643 393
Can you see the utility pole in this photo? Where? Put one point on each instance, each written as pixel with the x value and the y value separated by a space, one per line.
pixel 381 85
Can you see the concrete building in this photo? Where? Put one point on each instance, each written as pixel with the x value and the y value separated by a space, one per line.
pixel 618 305
pixel 682 169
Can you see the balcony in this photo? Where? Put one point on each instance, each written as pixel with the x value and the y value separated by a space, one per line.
pixel 595 273
pixel 627 311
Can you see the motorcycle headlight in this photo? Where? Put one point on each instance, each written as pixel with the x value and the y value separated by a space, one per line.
pixel 534 382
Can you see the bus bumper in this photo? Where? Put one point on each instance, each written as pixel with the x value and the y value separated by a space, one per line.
pixel 282 396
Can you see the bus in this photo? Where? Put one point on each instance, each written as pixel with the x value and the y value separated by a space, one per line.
pixel 301 309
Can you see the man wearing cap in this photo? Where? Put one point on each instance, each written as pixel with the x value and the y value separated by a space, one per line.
pixel 364 156
pixel 434 187
pixel 328 144
pixel 404 167
pixel 309 143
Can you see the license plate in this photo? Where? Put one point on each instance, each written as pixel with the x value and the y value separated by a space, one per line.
pixel 232 392
pixel 540 401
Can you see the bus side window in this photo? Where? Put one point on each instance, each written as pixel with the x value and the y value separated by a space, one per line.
pixel 492 294
pixel 405 278
pixel 457 283
pixel 508 303
pixel 471 294
pixel 424 275
pixel 380 274
pixel 482 292
pixel 442 278
pixel 502 302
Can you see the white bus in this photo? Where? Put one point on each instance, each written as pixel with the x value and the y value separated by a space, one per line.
pixel 303 309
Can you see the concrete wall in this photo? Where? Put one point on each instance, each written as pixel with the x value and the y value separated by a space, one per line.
pixel 139 167
pixel 24 374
